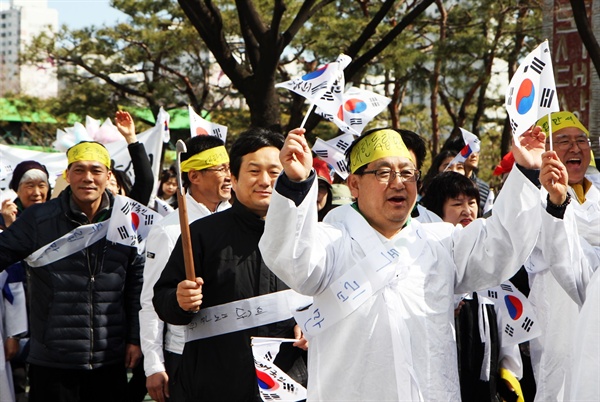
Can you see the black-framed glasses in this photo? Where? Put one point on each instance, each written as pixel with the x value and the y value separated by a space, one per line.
pixel 386 175
pixel 564 144
pixel 222 170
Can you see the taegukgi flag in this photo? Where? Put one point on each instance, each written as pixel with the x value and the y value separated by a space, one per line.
pixel 130 222
pixel 333 152
pixel 354 110
pixel 531 93
pixel 314 84
pixel 472 144
pixel 200 126
pixel 517 319
pixel 274 384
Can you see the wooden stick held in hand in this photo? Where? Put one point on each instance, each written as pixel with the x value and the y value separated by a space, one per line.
pixel 186 241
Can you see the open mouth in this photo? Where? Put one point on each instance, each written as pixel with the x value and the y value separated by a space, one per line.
pixel 397 199
pixel 465 222
pixel 574 162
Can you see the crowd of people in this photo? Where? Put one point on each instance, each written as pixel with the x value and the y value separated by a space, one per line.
pixel 386 281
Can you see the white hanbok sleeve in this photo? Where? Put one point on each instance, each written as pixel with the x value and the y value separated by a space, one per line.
pixel 158 249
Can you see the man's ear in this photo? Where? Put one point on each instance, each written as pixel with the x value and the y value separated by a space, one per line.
pixel 353 183
pixel 194 176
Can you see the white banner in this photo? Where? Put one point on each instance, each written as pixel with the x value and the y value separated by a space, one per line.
pixel 56 162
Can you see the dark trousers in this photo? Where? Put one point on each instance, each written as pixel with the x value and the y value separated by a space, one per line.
pixel 107 383
pixel 172 361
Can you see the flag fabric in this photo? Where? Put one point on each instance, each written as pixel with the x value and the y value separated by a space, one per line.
pixel 162 207
pixel 130 222
pixel 333 152
pixel 354 110
pixel 472 144
pixel 316 83
pixel 163 119
pixel 531 93
pixel 516 317
pixel 200 126
pixel 274 384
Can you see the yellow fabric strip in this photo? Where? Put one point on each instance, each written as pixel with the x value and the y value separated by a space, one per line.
pixel 514 383
pixel 379 144
pixel 582 189
pixel 88 151
pixel 211 157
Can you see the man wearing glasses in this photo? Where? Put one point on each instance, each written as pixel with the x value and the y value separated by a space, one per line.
pixel 207 181
pixel 380 326
pixel 557 313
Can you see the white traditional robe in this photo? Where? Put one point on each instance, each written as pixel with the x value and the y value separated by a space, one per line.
pixel 557 312
pixel 399 344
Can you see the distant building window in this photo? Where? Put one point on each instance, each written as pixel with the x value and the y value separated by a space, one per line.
pixel 3 25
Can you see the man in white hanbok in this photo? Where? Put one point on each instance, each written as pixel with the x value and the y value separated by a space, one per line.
pixel 557 313
pixel 384 330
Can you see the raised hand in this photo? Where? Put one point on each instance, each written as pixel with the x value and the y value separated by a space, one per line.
pixel 554 177
pixel 295 156
pixel 533 145
pixel 125 125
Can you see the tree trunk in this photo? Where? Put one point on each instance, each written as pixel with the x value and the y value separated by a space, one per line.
pixel 586 33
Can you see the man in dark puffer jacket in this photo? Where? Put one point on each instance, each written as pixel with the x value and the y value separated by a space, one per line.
pixel 84 303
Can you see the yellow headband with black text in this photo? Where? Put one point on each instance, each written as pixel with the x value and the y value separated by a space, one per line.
pixel 376 145
pixel 208 158
pixel 88 151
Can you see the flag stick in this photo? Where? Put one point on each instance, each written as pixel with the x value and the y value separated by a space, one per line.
pixel 550 131
pixel 312 104
pixel 186 241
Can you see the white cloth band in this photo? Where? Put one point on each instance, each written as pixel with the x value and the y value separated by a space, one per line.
pixel 244 314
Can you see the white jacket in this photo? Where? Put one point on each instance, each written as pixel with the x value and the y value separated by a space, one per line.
pixel 159 244
pixel 399 344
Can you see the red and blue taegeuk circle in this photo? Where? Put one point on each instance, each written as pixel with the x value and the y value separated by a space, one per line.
pixel 514 306
pixel 265 381
pixel 525 96
pixel 314 74
pixel 355 105
pixel 135 221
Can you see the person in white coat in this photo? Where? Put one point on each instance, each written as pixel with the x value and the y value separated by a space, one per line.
pixel 207 180
pixel 557 314
pixel 380 327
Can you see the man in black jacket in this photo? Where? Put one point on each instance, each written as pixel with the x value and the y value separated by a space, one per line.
pixel 218 364
pixel 84 296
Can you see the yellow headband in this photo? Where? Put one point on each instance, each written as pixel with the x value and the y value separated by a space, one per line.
pixel 205 159
pixel 561 120
pixel 88 151
pixel 378 145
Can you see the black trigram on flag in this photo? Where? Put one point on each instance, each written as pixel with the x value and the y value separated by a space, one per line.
pixel 148 220
pixel 289 387
pixel 506 288
pixel 341 144
pixel 322 153
pixel 270 397
pixel 328 96
pixel 510 96
pixel 492 294
pixel 355 121
pixel 536 65
pixel 126 208
pixel 513 125
pixel 217 132
pixel 341 165
pixel 268 356
pixel 546 98
pixel 509 330
pixel 374 101
pixel 527 324
pixel 318 87
pixel 123 232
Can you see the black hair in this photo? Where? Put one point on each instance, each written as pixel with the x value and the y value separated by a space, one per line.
pixel 414 142
pixel 194 146
pixel 165 176
pixel 454 144
pixel 448 185
pixel 123 180
pixel 434 169
pixel 251 141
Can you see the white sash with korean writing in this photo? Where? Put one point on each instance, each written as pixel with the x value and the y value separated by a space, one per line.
pixel 72 242
pixel 244 314
pixel 358 284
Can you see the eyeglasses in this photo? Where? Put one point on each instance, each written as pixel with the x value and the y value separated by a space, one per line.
pixel 565 144
pixel 223 170
pixel 388 175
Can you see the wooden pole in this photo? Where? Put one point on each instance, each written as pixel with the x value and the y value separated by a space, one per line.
pixel 186 240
